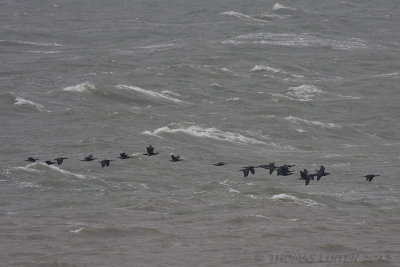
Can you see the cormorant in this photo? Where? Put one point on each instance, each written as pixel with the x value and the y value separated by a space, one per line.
pixel 49 162
pixel 246 170
pixel 123 156
pixel 150 151
pixel 321 172
pixel 31 159
pixel 59 160
pixel 105 162
pixel 369 177
pixel 175 158
pixel 220 163
pixel 270 166
pixel 89 158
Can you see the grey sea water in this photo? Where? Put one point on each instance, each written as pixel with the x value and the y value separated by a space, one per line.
pixel 307 83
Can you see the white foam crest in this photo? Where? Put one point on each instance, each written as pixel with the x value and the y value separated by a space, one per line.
pixel 158 46
pixel 232 99
pixel 297 40
pixel 149 93
pixel 43 52
pixel 65 172
pixel 28 185
pixel 312 123
pixel 212 133
pixel 30 43
pixel 32 168
pixel 290 198
pixel 78 230
pixel 240 15
pixel 278 6
pixel 80 88
pixel 266 68
pixel 304 92
pixel 389 75
pixel 231 190
pixel 22 101
pixel 301 93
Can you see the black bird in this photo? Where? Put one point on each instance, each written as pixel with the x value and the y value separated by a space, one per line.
pixel 304 175
pixel 220 163
pixel 31 159
pixel 246 170
pixel 60 160
pixel 105 162
pixel 89 158
pixel 369 177
pixel 284 170
pixel 175 158
pixel 150 151
pixel 49 162
pixel 123 156
pixel 321 172
pixel 270 166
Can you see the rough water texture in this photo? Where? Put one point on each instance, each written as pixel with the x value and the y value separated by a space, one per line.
pixel 307 83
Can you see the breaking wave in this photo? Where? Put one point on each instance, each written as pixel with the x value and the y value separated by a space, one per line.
pixel 290 198
pixel 260 18
pixel 300 93
pixel 22 101
pixel 81 88
pixel 164 95
pixel 311 123
pixel 297 40
pixel 212 133
pixel 40 167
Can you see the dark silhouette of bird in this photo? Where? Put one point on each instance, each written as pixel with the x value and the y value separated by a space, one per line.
pixel 49 162
pixel 31 159
pixel 175 158
pixel 221 163
pixel 369 177
pixel 246 170
pixel 150 151
pixel 284 170
pixel 105 162
pixel 89 158
pixel 123 156
pixel 321 172
pixel 60 160
pixel 270 166
pixel 304 175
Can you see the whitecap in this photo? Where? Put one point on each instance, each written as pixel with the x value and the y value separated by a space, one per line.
pixel 265 68
pixel 149 92
pixel 81 88
pixel 33 167
pixel 311 123
pixel 301 93
pixel 290 198
pixel 232 99
pixel 158 46
pixel 231 190
pixel 278 6
pixel 22 101
pixel 298 40
pixel 43 52
pixel 304 92
pixel 30 43
pixel 212 133
pixel 240 15
pixel 65 172
pixel 78 230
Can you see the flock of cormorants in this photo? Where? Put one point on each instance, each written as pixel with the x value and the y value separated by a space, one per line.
pixel 283 170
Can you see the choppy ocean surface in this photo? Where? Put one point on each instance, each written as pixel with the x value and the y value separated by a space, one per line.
pixel 307 83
